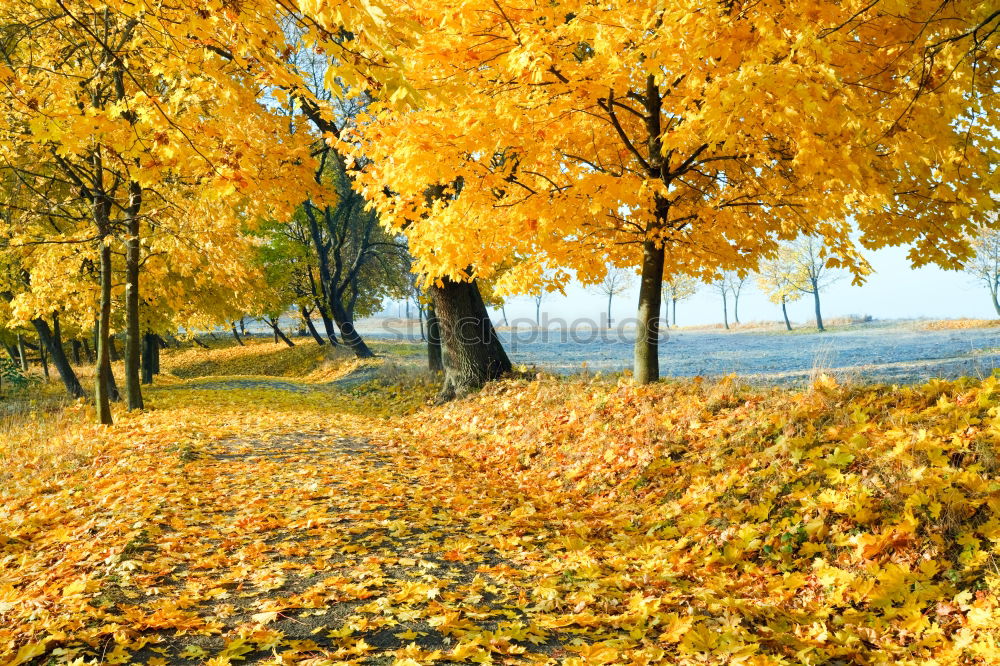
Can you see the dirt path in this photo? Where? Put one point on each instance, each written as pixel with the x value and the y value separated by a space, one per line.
pixel 307 547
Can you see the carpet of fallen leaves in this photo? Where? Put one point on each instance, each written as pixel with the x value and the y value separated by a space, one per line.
pixel 566 521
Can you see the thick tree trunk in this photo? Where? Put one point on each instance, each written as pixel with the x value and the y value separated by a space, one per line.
pixel 647 328
pixel 307 320
pixel 819 316
pixel 434 360
pixel 784 312
pixel 324 315
pixel 472 354
pixel 52 340
pixel 278 334
pixel 349 334
pixel 133 335
pixel 102 389
pixel 236 335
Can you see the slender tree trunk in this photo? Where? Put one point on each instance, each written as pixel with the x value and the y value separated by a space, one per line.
pixel 725 311
pixel 88 351
pixel 349 334
pixel 43 359
pixel 538 314
pixel 647 328
pixel 996 300
pixel 503 311
pixel 102 389
pixel 472 354
pixel 278 333
pixel 75 347
pixel 736 306
pixel 784 312
pixel 113 350
pixel 312 328
pixel 12 352
pixel 22 354
pixel 673 314
pixel 420 315
pixel 150 349
pixel 243 326
pixel 236 335
pixel 133 334
pixel 434 360
pixel 819 316
pixel 609 311
pixel 52 340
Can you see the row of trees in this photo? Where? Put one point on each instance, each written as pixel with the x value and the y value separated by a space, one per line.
pixel 237 158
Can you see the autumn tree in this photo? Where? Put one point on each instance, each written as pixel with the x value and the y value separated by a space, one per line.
pixel 984 266
pixel 584 133
pixel 677 288
pixel 721 286
pixel 616 281
pixel 814 271
pixel 778 278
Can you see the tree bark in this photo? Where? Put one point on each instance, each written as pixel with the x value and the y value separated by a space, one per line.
pixel 113 350
pixel 819 316
pixel 324 315
pixel 88 351
pixel 76 348
pixel 349 334
pixel 150 357
pixel 996 300
pixel 434 360
pixel 784 312
pixel 472 354
pixel 133 335
pixel 312 328
pixel 647 328
pixel 278 334
pixel 673 314
pixel 102 389
pixel 52 340
pixel 609 311
pixel 22 354
pixel 725 311
pixel 736 306
pixel 236 335
pixel 43 359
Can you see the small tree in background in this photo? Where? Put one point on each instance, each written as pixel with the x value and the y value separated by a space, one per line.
pixel 735 283
pixel 677 288
pixel 721 287
pixel 812 274
pixel 616 281
pixel 985 265
pixel 777 279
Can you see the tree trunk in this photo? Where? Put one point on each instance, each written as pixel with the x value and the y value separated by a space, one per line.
pixel 133 335
pixel 312 328
pixel 52 340
pixel 996 300
pixel 75 347
pixel 673 314
pixel 609 311
pixel 12 352
pixel 148 350
pixel 434 361
pixel 647 328
pixel 113 350
pixel 819 316
pixel 43 359
pixel 22 354
pixel 472 354
pixel 88 351
pixel 243 326
pixel 278 334
pixel 349 334
pixel 736 306
pixel 324 315
pixel 725 311
pixel 102 388
pixel 784 312
pixel 236 335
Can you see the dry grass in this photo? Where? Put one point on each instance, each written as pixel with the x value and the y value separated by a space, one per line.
pixel 959 324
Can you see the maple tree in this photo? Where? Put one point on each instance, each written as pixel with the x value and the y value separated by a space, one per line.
pixel 984 266
pixel 779 279
pixel 677 288
pixel 685 138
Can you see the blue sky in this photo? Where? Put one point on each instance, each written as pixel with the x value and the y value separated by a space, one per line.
pixel 894 291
